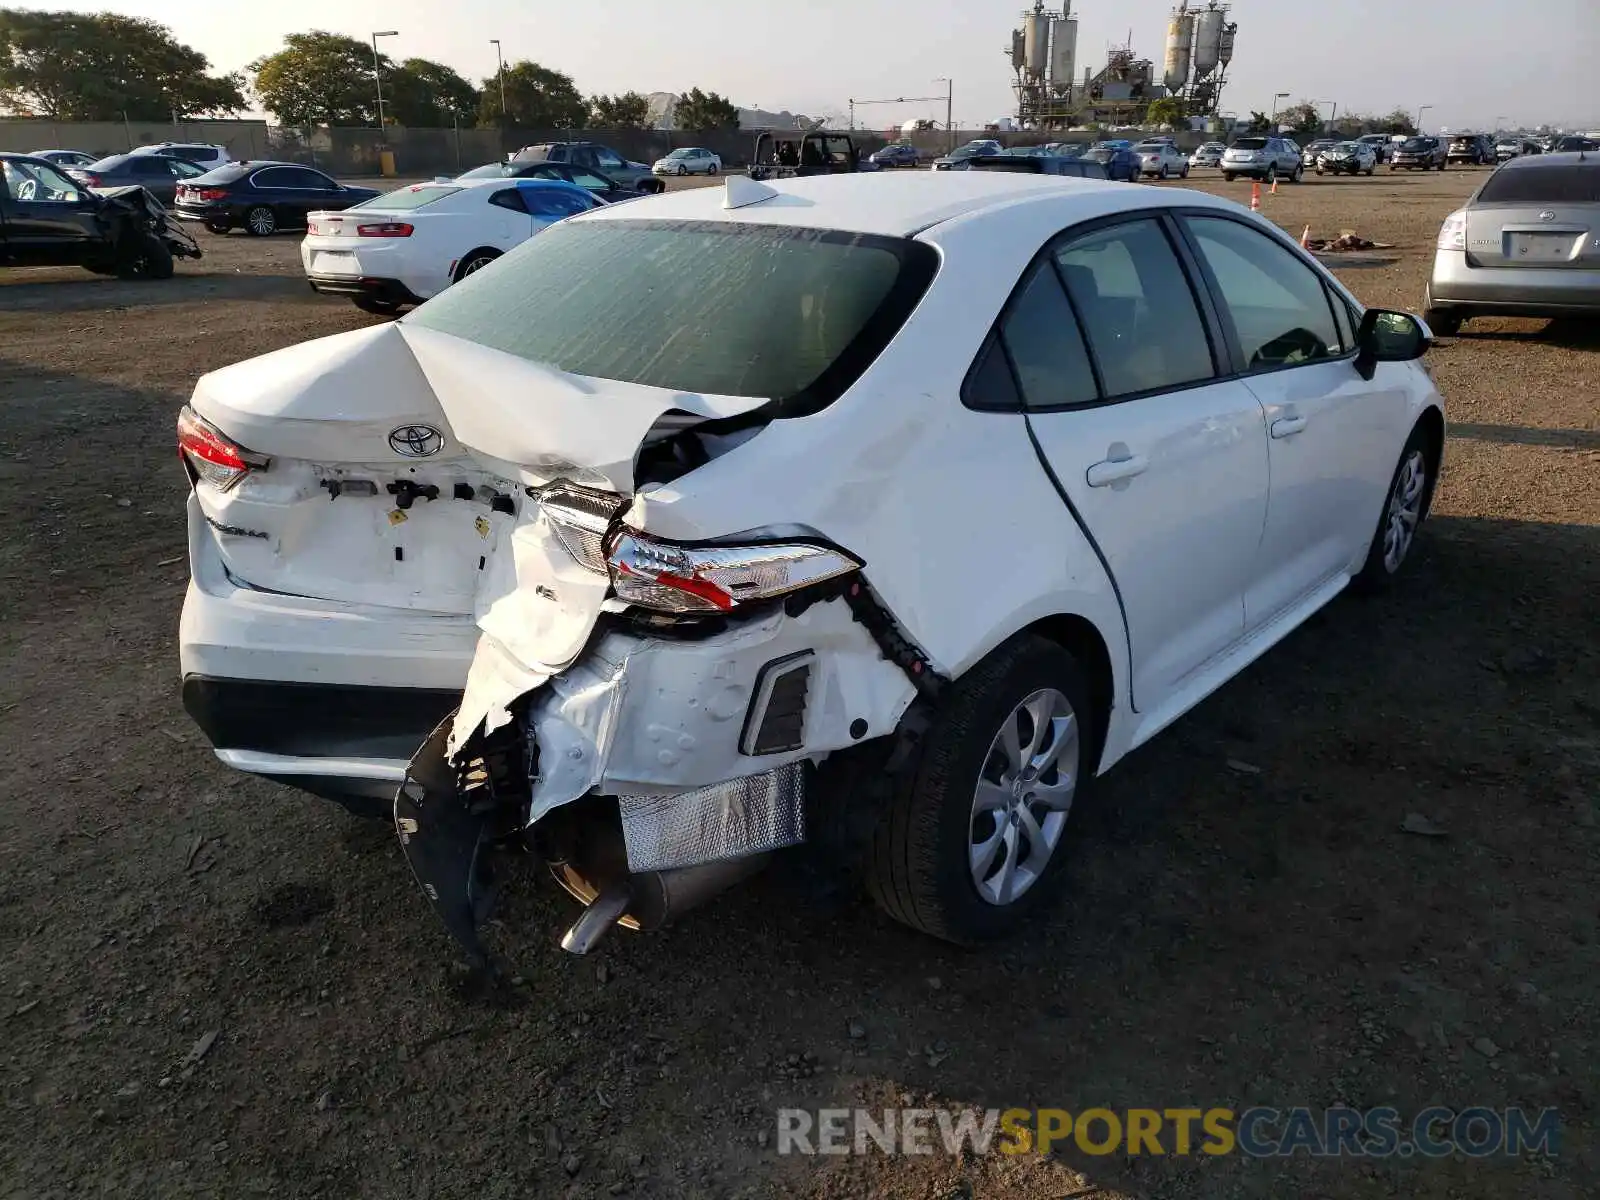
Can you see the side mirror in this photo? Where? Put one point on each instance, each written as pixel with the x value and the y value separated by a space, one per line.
pixel 1389 336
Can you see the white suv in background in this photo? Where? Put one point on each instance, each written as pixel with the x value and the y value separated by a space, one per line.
pixel 208 157
pixel 1264 158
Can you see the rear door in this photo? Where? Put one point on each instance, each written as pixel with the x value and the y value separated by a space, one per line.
pixel 1332 435
pixel 1537 214
pixel 1163 461
pixel 153 172
pixel 305 191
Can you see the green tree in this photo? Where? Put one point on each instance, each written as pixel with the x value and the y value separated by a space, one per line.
pixel 1399 121
pixel 319 78
pixel 97 66
pixel 423 94
pixel 701 112
pixel 1304 118
pixel 1259 122
pixel 536 98
pixel 630 110
pixel 1166 111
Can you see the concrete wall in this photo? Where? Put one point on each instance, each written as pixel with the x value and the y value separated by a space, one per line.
pixel 115 137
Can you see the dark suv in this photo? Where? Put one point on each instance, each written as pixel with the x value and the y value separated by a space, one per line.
pixel 1035 164
pixel 1419 154
pixel 1471 149
pixel 595 157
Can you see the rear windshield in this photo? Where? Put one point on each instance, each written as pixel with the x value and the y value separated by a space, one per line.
pixel 487 171
pixel 418 195
pixel 230 173
pixel 792 315
pixel 1250 144
pixel 1543 183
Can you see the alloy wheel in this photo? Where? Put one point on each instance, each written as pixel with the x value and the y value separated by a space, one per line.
pixel 1023 797
pixel 1404 511
pixel 262 222
pixel 475 264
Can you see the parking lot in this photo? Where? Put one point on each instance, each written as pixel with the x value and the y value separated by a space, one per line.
pixel 214 986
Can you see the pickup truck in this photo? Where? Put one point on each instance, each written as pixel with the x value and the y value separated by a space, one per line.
pixel 796 155
pixel 47 220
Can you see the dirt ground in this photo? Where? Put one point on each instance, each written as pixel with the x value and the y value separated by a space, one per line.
pixel 212 986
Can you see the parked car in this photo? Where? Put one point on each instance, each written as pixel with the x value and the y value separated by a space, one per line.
pixel 1470 149
pixel 1527 243
pixel 1313 151
pixel 1208 155
pixel 201 154
pixel 978 146
pixel 263 198
pixel 1066 149
pixel 1118 159
pixel 155 173
pixel 595 157
pixel 624 448
pixel 1035 164
pixel 1572 144
pixel 1508 148
pixel 1162 160
pixel 1263 158
pixel 595 183
pixel 688 160
pixel 1419 154
pixel 897 154
pixel 65 158
pixel 1347 158
pixel 48 219
pixel 407 245
pixel 1382 147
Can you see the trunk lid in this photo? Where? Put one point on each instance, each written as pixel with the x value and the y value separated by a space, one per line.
pixel 1555 236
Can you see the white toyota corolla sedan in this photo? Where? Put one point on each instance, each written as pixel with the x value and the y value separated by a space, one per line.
pixel 404 246
pixel 880 513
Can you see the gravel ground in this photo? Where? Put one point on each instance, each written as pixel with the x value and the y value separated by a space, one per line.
pixel 216 987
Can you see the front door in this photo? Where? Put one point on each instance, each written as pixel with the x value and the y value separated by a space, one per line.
pixel 1329 431
pixel 1164 463
pixel 49 220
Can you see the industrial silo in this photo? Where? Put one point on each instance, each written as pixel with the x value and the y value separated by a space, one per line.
pixel 1064 52
pixel 1225 47
pixel 1036 43
pixel 1180 36
pixel 1208 41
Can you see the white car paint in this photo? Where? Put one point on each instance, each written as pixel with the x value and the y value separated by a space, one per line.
pixel 688 160
pixel 465 216
pixel 1247 503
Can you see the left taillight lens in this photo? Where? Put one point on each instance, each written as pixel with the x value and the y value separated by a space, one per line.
pixel 210 454
pixel 1453 233
pixel 385 229
pixel 675 578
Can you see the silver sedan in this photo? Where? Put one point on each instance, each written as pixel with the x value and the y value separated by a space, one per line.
pixel 1162 159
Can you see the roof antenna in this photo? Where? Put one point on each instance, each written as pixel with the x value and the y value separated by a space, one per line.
pixel 741 190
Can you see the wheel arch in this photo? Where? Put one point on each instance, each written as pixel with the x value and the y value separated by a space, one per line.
pixel 1082 639
pixel 456 276
pixel 1431 423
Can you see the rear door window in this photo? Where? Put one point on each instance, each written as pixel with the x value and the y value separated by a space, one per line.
pixel 555 203
pixel 1138 310
pixel 272 177
pixel 1041 338
pixel 509 198
pixel 1279 307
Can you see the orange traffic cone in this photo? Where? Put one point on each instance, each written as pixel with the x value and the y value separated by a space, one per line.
pixel 1255 196
pixel 1305 239
pixel 1274 185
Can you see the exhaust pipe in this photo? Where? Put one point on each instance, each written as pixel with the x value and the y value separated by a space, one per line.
pixel 650 899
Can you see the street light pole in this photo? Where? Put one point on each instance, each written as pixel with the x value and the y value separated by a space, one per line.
pixel 500 70
pixel 1273 118
pixel 949 105
pixel 1420 111
pixel 377 74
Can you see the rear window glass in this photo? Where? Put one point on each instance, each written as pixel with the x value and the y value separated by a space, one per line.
pixel 1250 144
pixel 406 199
pixel 488 171
pixel 1552 183
pixel 793 315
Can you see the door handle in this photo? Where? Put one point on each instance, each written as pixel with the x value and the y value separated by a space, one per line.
pixel 1116 470
pixel 1287 426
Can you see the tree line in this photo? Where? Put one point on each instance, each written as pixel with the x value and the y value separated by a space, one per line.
pixel 1305 119
pixel 72 66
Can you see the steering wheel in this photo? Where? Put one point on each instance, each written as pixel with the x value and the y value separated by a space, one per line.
pixel 28 189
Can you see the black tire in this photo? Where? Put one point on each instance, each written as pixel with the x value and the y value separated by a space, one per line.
pixel 220 228
pixel 261 221
pixel 474 260
pixel 1370 170
pixel 1445 322
pixel 145 256
pixel 1227 177
pixel 1271 175
pixel 712 169
pixel 918 868
pixel 378 308
pixel 1185 173
pixel 1299 174
pixel 1378 573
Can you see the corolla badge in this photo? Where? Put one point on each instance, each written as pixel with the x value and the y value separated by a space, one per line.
pixel 1547 215
pixel 416 441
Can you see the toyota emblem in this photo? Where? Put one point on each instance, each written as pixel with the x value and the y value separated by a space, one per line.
pixel 1547 215
pixel 416 441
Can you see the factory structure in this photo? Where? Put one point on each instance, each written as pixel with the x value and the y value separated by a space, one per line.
pixel 1044 57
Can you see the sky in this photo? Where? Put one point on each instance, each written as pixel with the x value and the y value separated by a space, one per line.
pixel 1476 63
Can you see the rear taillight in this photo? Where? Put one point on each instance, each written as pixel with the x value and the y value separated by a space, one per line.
pixel 90 180
pixel 211 193
pixel 386 229
pixel 210 454
pixel 676 578
pixel 1453 233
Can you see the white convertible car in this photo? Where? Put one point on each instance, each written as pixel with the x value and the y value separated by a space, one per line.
pixel 402 247
pixel 885 509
